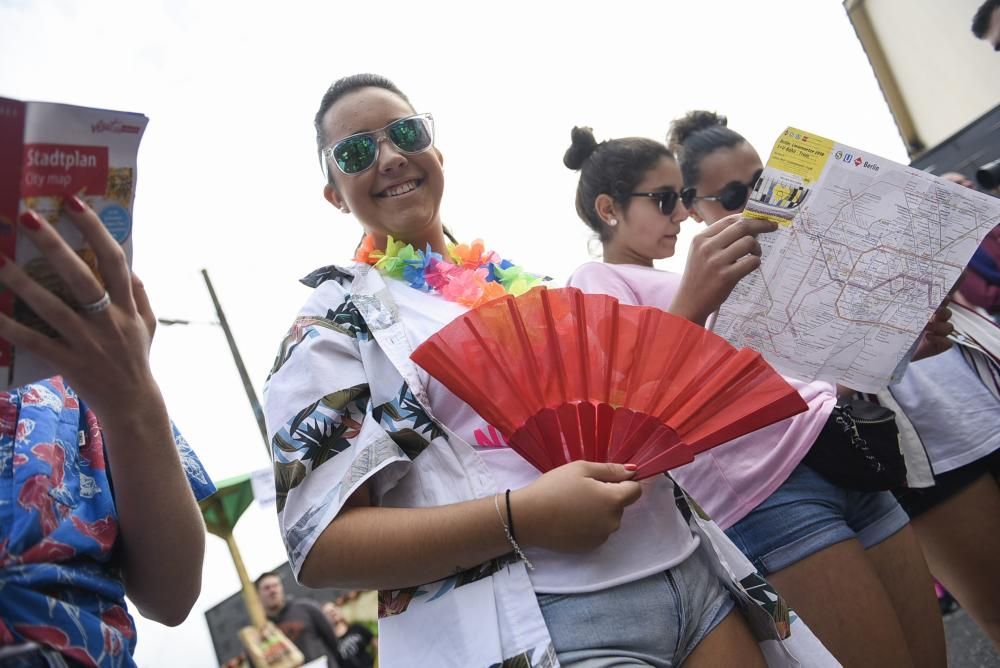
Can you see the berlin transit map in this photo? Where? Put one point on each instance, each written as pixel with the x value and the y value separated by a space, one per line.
pixel 865 251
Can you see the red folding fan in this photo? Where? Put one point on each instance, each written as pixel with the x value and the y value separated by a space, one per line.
pixel 566 375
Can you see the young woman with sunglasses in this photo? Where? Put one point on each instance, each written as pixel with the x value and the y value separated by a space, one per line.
pixel 832 551
pixel 632 196
pixel 379 484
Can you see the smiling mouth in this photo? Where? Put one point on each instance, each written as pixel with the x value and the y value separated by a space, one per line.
pixel 400 189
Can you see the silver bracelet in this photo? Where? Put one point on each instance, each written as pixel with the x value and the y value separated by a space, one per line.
pixel 506 530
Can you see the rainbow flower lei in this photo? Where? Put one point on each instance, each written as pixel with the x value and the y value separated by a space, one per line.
pixel 470 276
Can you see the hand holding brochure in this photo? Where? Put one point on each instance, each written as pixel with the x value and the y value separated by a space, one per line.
pixel 51 151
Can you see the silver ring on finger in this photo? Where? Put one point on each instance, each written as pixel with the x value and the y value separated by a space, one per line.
pixel 99 306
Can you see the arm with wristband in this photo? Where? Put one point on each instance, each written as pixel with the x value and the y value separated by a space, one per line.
pixel 572 509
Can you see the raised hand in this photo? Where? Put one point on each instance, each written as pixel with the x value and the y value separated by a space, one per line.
pixel 934 339
pixel 720 256
pixel 103 346
pixel 102 350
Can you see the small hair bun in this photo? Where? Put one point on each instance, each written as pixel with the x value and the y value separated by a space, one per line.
pixel 693 121
pixel 582 147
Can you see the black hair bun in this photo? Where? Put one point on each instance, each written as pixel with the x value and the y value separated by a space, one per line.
pixel 688 124
pixel 582 147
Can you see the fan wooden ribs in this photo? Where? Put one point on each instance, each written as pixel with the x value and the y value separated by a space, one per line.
pixel 566 375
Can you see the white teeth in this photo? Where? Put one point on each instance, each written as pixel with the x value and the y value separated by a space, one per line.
pixel 401 189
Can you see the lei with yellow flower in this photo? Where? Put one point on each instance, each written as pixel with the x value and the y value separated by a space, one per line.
pixel 470 276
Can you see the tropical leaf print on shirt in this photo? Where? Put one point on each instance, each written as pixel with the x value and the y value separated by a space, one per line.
pixel 345 319
pixel 323 274
pixel 395 414
pixel 287 476
pixel 318 432
pixel 329 426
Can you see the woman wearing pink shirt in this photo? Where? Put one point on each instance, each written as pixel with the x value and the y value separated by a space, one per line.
pixel 847 561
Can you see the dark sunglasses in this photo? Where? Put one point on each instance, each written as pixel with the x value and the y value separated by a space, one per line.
pixel 734 196
pixel 668 199
pixel 355 154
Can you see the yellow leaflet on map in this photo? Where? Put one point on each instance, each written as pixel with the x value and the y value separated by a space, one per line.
pixel 801 154
pixel 796 163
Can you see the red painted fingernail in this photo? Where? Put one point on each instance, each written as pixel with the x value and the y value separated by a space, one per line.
pixel 74 203
pixel 31 220
pixel 631 467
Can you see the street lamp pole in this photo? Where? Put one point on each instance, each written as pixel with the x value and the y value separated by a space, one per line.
pixel 244 376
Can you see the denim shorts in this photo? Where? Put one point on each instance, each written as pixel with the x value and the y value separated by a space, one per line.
pixel 655 621
pixel 808 514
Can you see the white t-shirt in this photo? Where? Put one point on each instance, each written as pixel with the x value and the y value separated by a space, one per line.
pixel 653 536
pixel 957 418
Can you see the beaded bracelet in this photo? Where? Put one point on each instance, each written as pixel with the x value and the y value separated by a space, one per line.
pixel 507 530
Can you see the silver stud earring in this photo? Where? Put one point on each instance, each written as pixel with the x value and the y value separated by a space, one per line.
pixel 612 222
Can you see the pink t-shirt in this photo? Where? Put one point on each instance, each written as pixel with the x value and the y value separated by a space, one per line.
pixel 732 479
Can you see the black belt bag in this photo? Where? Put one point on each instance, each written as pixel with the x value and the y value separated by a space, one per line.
pixel 858 448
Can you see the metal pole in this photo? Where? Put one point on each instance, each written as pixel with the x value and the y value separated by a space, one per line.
pixel 244 376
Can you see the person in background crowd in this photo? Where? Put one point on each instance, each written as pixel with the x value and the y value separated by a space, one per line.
pixel 302 621
pixel 356 642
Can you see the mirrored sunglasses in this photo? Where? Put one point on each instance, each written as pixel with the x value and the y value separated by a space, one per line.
pixel 355 154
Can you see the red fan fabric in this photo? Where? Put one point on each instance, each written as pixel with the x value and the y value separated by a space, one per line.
pixel 566 375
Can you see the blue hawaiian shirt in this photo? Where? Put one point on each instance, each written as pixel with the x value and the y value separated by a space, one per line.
pixel 60 570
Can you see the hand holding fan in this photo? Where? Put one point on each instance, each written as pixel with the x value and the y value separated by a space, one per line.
pixel 566 375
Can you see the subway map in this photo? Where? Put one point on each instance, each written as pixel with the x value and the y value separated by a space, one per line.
pixel 865 252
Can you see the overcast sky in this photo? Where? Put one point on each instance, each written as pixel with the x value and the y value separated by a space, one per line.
pixel 228 177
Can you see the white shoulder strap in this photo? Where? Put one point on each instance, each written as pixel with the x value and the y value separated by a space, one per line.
pixel 918 465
